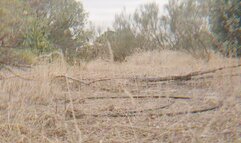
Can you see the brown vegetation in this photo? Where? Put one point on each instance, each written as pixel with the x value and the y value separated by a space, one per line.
pixel 105 102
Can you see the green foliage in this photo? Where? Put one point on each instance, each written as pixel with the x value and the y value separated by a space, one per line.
pixel 16 57
pixel 119 44
pixel 43 26
pixel 122 39
pixel 88 53
pixel 29 28
pixel 123 44
pixel 25 57
pixel 226 24
pixel 36 38
pixel 58 23
pixel 67 23
pixel 11 29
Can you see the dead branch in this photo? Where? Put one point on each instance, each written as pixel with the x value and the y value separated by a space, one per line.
pixel 70 78
pixel 139 113
pixel 183 77
pixel 218 76
pixel 136 97
pixel 125 114
pixel 169 78
pixel 194 111
pixel 99 80
pixel 83 81
pixel 186 77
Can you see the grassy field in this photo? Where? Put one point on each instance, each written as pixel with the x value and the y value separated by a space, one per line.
pixel 108 102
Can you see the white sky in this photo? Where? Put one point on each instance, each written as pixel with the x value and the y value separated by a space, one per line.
pixel 102 12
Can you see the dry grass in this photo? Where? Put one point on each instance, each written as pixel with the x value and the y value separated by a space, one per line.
pixel 38 105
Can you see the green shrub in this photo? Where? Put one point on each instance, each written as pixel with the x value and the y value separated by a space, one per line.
pixel 26 57
pixel 226 25
pixel 36 38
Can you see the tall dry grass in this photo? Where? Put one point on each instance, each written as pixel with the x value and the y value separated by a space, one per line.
pixel 35 107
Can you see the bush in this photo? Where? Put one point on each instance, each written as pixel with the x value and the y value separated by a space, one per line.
pixel 116 45
pixel 17 57
pixel 26 57
pixel 87 53
pixel 42 27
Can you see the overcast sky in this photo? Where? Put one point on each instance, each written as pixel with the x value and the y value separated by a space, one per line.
pixel 102 12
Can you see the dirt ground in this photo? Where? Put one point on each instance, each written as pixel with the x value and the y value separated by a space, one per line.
pixel 116 102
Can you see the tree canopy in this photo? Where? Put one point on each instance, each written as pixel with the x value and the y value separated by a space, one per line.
pixel 226 24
